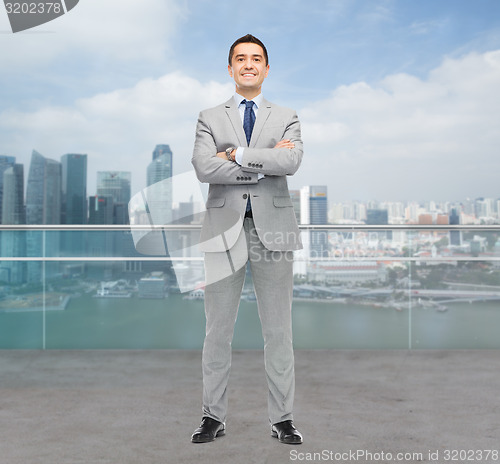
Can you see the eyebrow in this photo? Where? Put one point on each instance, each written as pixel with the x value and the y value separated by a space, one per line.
pixel 243 55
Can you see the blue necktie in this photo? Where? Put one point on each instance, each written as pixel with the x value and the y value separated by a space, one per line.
pixel 249 119
pixel 248 123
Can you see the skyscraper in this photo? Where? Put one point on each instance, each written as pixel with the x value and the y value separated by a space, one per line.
pixel 5 163
pixel 117 185
pixel 13 195
pixel 314 210
pixel 74 189
pixel 162 150
pixel 74 202
pixel 159 196
pixel 160 173
pixel 455 235
pixel 13 243
pixel 101 209
pixel 379 217
pixel 43 206
pixel 43 192
pixel 100 243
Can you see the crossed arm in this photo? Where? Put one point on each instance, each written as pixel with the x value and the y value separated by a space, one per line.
pixel 214 167
pixel 285 143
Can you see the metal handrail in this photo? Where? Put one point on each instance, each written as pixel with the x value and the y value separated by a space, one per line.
pixel 304 227
pixel 332 227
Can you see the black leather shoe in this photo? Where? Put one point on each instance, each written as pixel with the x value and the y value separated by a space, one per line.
pixel 286 432
pixel 208 430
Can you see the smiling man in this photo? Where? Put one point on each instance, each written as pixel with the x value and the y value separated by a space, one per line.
pixel 245 149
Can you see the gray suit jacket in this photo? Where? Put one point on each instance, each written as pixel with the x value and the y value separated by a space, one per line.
pixel 230 184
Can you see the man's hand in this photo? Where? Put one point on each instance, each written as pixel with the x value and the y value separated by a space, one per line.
pixel 285 143
pixel 222 154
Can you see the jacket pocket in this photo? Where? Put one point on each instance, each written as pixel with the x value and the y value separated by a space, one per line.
pixel 281 202
pixel 215 202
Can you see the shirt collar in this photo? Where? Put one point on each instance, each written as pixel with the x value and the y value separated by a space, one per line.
pixel 257 100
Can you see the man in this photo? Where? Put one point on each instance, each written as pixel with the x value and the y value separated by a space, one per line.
pixel 244 149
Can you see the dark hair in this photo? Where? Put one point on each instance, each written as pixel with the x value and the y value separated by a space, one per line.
pixel 249 38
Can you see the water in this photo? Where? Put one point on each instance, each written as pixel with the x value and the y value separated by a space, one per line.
pixel 93 323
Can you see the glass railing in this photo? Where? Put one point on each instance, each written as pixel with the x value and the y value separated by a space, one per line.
pixel 356 287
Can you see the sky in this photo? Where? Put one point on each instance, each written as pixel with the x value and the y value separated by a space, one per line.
pixel 398 100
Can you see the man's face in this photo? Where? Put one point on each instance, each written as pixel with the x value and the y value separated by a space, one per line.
pixel 248 67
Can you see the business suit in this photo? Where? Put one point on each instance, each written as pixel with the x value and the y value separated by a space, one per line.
pixel 230 241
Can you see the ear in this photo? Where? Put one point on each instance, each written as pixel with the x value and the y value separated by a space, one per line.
pixel 230 70
pixel 267 70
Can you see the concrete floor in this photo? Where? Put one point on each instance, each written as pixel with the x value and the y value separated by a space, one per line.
pixel 73 407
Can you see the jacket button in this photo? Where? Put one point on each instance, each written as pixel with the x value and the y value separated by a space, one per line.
pixel 249 165
pixel 245 196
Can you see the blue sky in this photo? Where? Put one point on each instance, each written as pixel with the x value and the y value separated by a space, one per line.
pixel 397 98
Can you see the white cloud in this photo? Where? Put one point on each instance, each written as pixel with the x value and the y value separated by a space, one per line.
pixel 118 130
pixel 438 136
pixel 117 31
pixel 401 139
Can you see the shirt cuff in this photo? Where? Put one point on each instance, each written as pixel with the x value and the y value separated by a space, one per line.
pixel 238 156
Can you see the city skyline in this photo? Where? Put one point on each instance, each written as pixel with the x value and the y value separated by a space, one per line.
pixel 398 100
pixel 71 181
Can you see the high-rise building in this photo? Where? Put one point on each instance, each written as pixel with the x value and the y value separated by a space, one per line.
pixel 13 243
pixel 377 216
pixel 6 162
pixel 74 202
pixel 117 185
pixel 162 150
pixel 455 235
pixel 100 243
pixel 100 209
pixel 159 173
pixel 359 211
pixel 336 213
pixel 74 189
pixel 43 206
pixel 43 192
pixel 484 207
pixel 412 211
pixel 160 201
pixel 13 195
pixel 314 210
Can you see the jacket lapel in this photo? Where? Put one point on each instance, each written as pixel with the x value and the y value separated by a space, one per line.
pixel 235 118
pixel 260 121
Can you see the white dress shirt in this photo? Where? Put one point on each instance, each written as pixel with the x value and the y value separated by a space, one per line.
pixel 238 157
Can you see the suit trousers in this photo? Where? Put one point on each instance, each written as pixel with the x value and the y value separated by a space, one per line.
pixel 272 275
